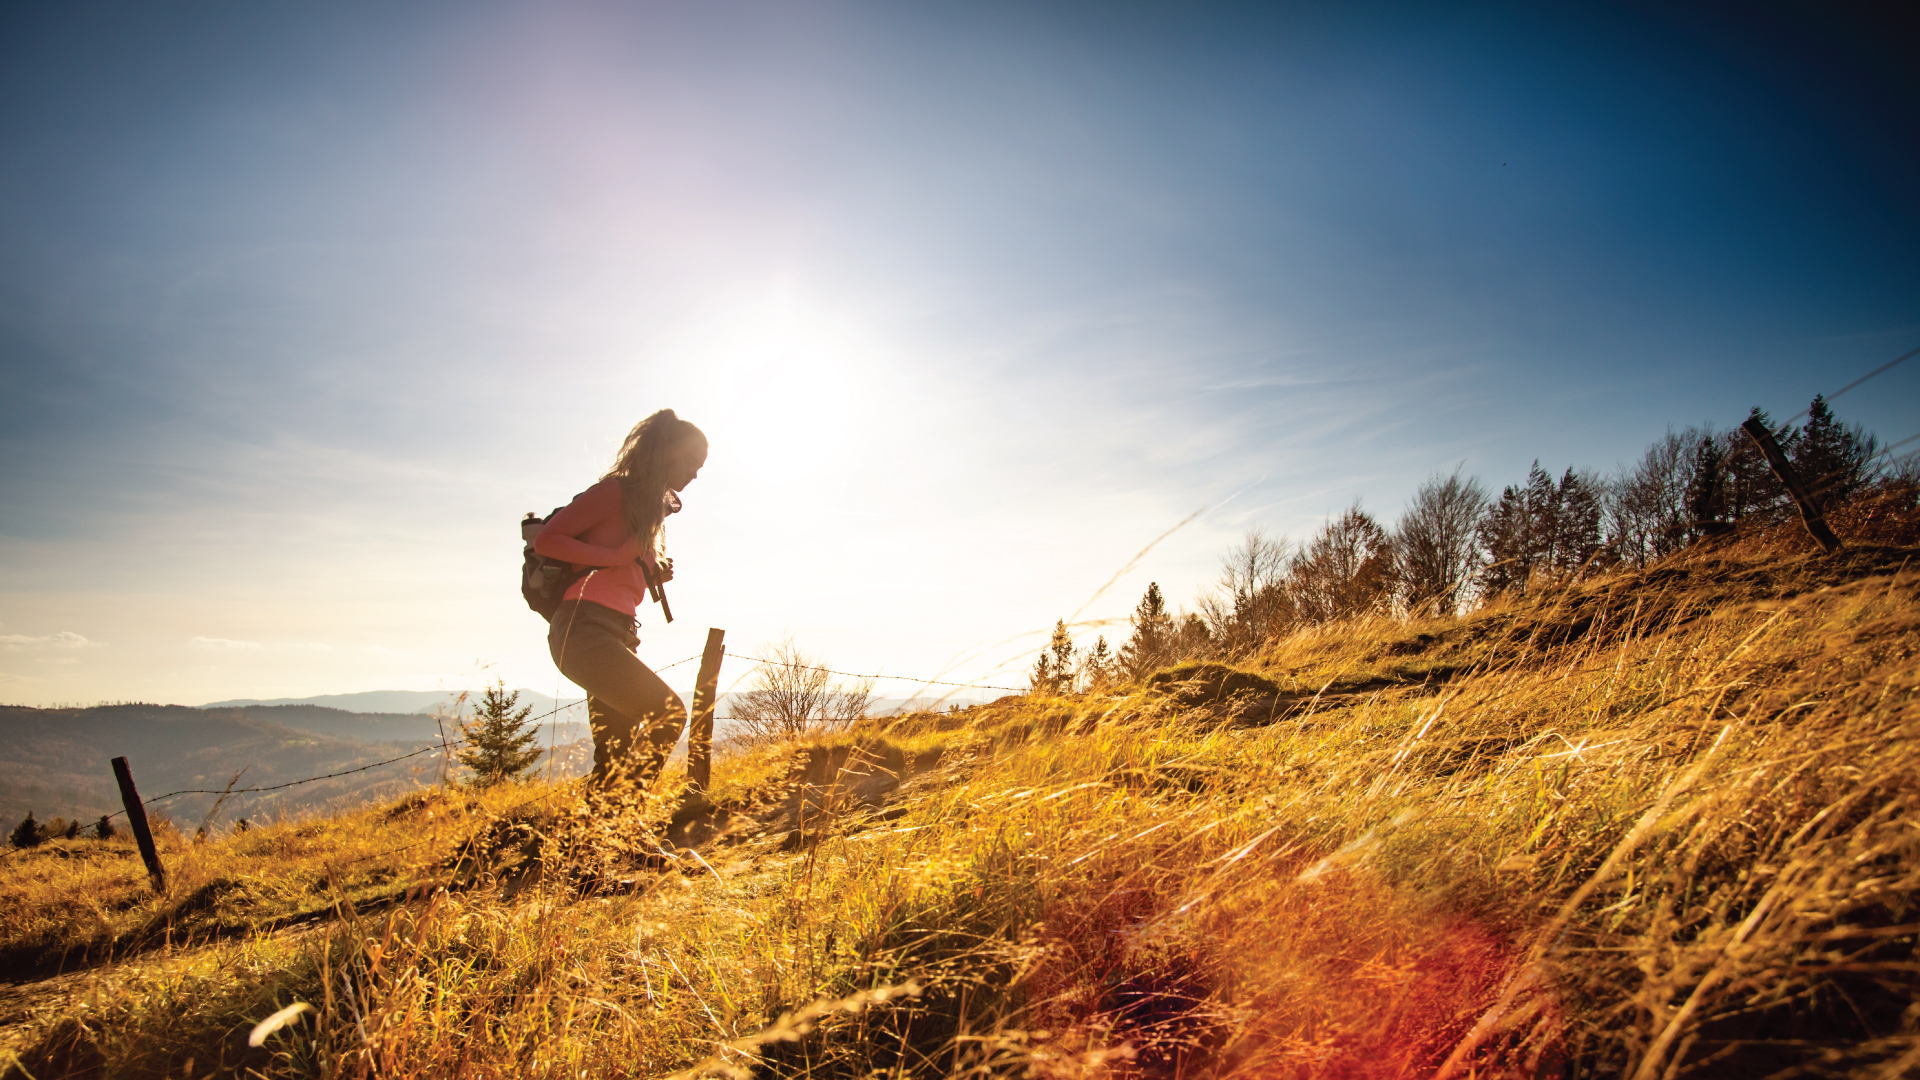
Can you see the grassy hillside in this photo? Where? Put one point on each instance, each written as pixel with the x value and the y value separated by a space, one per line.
pixel 1656 824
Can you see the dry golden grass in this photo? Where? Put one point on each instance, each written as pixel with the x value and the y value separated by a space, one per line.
pixel 1657 824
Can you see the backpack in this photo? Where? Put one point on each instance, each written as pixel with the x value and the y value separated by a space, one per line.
pixel 544 581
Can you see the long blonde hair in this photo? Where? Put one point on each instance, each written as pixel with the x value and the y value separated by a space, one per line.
pixel 641 469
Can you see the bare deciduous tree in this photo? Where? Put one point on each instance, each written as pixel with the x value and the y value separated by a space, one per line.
pixel 1904 469
pixel 1345 570
pixel 792 694
pixel 1435 546
pixel 1250 603
pixel 1647 514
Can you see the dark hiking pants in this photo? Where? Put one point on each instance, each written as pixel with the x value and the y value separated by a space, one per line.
pixel 636 717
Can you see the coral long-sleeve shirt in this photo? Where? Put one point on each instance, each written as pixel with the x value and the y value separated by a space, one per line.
pixel 592 531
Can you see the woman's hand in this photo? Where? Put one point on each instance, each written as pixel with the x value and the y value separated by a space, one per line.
pixel 665 574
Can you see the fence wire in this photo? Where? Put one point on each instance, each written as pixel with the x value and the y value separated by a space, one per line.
pixel 446 745
pixel 901 678
pixel 442 746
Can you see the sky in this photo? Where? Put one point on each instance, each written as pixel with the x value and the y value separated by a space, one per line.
pixel 303 306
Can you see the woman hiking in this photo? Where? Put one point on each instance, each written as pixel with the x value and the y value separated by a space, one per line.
pixel 614 526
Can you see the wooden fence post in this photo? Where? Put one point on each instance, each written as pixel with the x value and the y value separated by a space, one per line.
pixel 1810 514
pixel 706 691
pixel 137 819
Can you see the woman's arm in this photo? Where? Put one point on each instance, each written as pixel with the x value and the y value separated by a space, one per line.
pixel 560 539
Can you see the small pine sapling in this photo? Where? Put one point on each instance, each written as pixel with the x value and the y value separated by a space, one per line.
pixel 1054 672
pixel 1099 668
pixel 103 829
pixel 27 833
pixel 497 749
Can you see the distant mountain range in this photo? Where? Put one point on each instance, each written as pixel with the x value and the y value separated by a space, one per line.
pixel 391 701
pixel 386 727
pixel 58 759
pixel 573 711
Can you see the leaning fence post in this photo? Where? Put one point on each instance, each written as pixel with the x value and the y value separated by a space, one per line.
pixel 706 689
pixel 137 818
pixel 1816 522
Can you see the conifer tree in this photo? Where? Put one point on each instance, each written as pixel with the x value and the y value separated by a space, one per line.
pixel 104 830
pixel 1830 458
pixel 1150 647
pixel 27 833
pixel 1541 529
pixel 1576 523
pixel 1748 483
pixel 1064 659
pixel 73 829
pixel 1704 496
pixel 1517 532
pixel 1098 666
pixel 497 749
pixel 1041 679
pixel 1053 672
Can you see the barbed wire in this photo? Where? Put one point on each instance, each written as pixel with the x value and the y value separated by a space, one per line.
pixel 901 678
pixel 1821 484
pixel 442 746
pixel 1881 370
pixel 292 783
pixel 814 719
pixel 559 707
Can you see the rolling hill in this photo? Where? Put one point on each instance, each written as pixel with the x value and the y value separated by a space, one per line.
pixel 57 764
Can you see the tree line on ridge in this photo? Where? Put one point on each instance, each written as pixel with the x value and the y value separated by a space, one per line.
pixel 1457 545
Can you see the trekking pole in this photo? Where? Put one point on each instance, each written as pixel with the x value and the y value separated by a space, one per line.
pixel 657 590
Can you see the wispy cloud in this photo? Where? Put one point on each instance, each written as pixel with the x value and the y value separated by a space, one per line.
pixel 216 644
pixel 65 639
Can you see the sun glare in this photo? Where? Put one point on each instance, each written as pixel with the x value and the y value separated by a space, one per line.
pixel 784 381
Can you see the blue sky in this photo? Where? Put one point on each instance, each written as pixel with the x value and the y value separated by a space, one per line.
pixel 301 308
